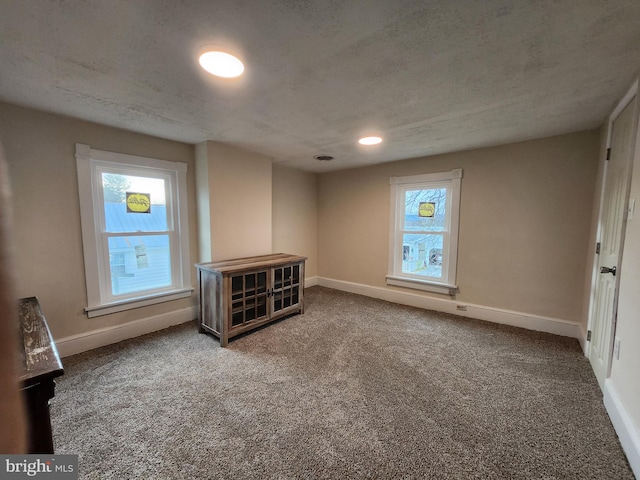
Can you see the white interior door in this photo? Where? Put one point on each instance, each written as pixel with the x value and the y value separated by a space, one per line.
pixel 612 221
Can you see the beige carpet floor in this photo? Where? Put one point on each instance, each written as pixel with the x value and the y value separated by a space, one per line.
pixel 355 388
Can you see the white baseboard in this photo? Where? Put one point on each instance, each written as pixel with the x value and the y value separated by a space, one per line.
pixel 310 282
pixel 624 425
pixel 105 336
pixel 480 312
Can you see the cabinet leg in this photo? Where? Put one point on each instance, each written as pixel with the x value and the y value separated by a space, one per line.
pixel 37 400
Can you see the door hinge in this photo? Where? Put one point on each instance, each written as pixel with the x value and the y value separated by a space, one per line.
pixel 588 335
pixel 608 154
pixel 598 248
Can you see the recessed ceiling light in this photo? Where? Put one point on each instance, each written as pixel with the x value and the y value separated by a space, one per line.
pixel 370 140
pixel 221 64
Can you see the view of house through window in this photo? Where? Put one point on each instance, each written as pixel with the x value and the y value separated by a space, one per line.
pixel 424 231
pixel 136 205
pixel 425 214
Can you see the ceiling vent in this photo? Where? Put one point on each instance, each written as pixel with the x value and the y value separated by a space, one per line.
pixel 324 158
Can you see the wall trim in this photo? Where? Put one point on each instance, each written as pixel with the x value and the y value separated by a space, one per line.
pixel 83 342
pixel 310 282
pixel 496 315
pixel 624 426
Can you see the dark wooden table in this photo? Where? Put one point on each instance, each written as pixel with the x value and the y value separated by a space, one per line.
pixel 41 364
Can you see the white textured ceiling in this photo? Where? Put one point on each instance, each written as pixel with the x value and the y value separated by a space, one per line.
pixel 429 76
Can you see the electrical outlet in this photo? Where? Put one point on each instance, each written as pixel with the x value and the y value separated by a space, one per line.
pixel 616 349
pixel 461 308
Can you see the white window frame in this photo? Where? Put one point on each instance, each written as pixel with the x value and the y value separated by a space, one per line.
pixel 90 165
pixel 399 185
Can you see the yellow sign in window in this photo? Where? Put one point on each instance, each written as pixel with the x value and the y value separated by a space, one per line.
pixel 427 209
pixel 138 202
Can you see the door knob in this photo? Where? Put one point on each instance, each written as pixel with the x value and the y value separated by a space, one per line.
pixel 611 270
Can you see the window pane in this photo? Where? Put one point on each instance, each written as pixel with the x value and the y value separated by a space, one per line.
pixel 139 263
pixel 422 254
pixel 124 203
pixel 425 209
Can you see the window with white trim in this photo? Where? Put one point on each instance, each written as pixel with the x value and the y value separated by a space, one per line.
pixel 423 233
pixel 135 231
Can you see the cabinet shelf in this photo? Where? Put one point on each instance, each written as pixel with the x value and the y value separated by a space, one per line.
pixel 236 296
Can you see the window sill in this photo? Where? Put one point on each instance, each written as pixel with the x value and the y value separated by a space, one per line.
pixel 422 285
pixel 131 303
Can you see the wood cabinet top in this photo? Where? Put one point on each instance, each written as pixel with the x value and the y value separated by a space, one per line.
pixel 40 355
pixel 250 263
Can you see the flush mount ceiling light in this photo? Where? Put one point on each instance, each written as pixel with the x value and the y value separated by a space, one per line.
pixel 221 64
pixel 370 140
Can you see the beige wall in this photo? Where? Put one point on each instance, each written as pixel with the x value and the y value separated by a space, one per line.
pixel 203 200
pixel 295 219
pixel 234 202
pixel 40 151
pixel 524 223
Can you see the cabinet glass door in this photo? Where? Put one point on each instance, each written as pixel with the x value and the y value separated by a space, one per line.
pixel 286 287
pixel 248 297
